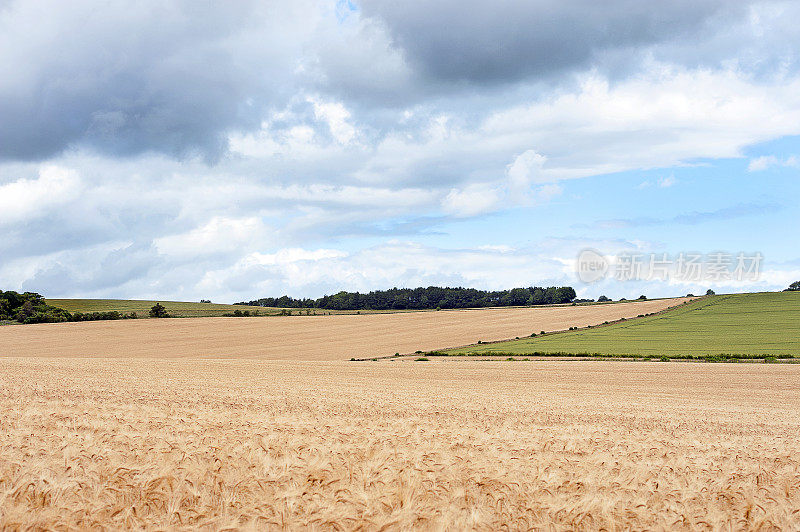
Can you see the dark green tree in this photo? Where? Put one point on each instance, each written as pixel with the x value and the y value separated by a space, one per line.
pixel 158 311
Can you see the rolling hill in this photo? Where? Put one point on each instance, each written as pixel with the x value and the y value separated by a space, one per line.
pixel 744 324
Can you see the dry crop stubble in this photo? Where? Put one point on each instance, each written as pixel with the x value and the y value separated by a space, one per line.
pixel 184 443
pixel 334 337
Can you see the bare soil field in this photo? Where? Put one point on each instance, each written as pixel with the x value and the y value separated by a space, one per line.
pixel 334 337
pixel 460 444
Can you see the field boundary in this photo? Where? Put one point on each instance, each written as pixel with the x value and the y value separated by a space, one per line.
pixel 446 351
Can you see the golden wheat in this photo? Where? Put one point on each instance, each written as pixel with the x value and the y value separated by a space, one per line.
pixel 337 337
pixel 458 444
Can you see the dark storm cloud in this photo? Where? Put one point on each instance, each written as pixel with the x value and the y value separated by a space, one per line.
pixel 175 78
pixel 509 40
pixel 126 78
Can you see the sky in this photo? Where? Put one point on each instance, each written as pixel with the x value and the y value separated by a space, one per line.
pixel 180 150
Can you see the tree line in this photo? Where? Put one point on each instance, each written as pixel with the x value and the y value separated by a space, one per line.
pixel 30 307
pixel 431 297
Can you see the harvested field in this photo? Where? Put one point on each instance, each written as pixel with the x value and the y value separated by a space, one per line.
pixel 185 443
pixel 333 337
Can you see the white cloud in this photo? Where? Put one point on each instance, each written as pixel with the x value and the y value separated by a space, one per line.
pixel 336 133
pixel 661 182
pixel 336 116
pixel 472 200
pixel 309 273
pixel 26 199
pixel 219 235
pixel 526 169
pixel 764 162
pixel 666 182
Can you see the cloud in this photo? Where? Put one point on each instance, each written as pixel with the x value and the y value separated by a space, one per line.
pixel 311 273
pixel 336 116
pixel 186 138
pixel 472 200
pixel 661 182
pixel 759 164
pixel 526 169
pixel 693 218
pixel 27 199
pixel 509 40
pixel 170 77
pixel 219 235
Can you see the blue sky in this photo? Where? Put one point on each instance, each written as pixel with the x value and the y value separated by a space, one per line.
pixel 255 149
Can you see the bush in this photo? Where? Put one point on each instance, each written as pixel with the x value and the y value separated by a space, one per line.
pixel 664 358
pixel 29 307
pixel 159 311
pixel 421 359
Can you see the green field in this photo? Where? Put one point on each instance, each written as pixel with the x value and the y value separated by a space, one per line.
pixel 180 309
pixel 737 324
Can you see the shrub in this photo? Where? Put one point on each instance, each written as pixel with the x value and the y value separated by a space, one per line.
pixel 159 311
pixel 664 358
pixel 421 359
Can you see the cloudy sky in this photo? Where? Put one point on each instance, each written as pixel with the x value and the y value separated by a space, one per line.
pixel 234 150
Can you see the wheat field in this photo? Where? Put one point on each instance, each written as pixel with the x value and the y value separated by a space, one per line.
pixel 335 337
pixel 392 445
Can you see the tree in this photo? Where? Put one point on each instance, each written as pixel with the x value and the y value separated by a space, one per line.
pixel 794 286
pixel 602 299
pixel 158 311
pixel 642 297
pixel 710 292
